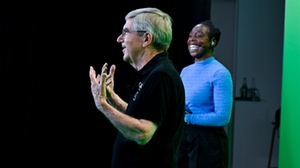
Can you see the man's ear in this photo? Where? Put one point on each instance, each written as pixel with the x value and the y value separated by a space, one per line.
pixel 147 39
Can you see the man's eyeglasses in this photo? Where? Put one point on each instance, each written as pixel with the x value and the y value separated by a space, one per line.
pixel 124 31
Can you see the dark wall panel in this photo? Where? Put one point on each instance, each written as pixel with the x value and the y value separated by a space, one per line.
pixel 48 117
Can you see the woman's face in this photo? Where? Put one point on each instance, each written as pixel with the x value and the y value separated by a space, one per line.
pixel 199 44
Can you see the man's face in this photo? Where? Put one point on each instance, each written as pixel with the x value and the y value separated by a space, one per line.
pixel 198 42
pixel 131 43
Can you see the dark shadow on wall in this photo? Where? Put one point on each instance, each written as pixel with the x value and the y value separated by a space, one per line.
pixel 48 117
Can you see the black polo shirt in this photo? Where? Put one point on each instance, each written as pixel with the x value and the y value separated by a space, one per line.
pixel 157 94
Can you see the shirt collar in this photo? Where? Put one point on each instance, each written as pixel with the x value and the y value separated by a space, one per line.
pixel 149 66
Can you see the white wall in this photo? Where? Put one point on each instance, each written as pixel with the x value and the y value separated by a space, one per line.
pixel 251 45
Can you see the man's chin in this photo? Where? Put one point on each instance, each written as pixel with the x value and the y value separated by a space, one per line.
pixel 126 59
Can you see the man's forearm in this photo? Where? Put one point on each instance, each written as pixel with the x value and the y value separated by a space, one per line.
pixel 117 102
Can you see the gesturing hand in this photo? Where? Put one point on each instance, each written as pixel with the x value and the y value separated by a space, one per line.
pixel 98 86
pixel 110 81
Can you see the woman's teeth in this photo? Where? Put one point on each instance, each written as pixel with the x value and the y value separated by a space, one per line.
pixel 194 47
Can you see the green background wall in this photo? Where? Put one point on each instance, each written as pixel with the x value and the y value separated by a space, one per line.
pixel 289 146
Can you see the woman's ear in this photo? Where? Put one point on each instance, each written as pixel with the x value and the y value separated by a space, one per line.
pixel 213 41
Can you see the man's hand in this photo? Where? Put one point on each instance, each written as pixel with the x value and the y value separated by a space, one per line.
pixel 110 81
pixel 98 86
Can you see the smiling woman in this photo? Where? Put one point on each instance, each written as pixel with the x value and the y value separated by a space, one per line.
pixel 208 98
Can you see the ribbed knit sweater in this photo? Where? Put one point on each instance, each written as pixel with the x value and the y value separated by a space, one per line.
pixel 209 93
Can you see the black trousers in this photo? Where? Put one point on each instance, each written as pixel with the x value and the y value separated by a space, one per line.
pixel 203 147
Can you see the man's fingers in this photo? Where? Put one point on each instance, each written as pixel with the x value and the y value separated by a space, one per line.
pixel 108 82
pixel 112 70
pixel 91 71
pixel 104 78
pixel 104 68
pixel 98 78
pixel 110 77
pixel 93 75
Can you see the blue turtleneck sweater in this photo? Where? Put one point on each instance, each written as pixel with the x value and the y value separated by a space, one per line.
pixel 209 93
